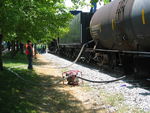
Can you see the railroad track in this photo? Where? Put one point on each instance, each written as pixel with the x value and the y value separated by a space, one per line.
pixel 116 72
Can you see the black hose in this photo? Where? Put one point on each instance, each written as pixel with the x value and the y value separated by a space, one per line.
pixel 77 58
pixel 56 82
pixel 120 78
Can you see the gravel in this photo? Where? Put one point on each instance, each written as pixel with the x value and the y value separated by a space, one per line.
pixel 134 96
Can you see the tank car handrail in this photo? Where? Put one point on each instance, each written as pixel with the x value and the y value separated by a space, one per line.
pixel 137 52
pixel 128 52
pixel 107 50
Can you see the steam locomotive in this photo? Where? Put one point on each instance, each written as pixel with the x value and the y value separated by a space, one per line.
pixel 121 34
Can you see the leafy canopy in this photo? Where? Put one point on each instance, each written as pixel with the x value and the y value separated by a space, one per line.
pixel 36 20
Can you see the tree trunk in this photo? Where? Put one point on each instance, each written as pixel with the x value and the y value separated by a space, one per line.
pixel 13 46
pixel 8 45
pixel 1 62
pixel 21 47
pixel 14 50
pixel 17 46
pixel 35 51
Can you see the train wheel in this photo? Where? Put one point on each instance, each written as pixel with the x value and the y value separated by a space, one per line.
pixel 142 65
pixel 112 61
pixel 128 64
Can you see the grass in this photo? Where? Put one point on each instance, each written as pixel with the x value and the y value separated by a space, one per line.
pixel 12 94
pixel 17 96
pixel 19 59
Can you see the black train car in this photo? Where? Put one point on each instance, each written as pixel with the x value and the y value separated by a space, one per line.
pixel 79 32
pixel 121 34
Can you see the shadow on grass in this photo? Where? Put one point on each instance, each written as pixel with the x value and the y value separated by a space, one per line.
pixel 17 96
pixel 39 63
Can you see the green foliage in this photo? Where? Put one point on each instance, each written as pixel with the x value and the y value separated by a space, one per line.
pixel 79 3
pixel 106 1
pixel 94 1
pixel 32 20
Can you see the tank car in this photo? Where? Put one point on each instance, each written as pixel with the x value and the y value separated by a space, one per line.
pixel 122 25
pixel 121 31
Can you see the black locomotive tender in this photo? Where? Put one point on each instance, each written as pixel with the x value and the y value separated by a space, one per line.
pixel 121 34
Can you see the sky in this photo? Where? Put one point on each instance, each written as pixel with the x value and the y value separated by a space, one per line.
pixel 68 3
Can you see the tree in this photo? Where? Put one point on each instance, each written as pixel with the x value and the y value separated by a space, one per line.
pixel 1 64
pixel 34 20
pixel 107 1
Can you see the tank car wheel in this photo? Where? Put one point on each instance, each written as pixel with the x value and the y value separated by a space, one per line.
pixel 112 61
pixel 142 65
pixel 128 64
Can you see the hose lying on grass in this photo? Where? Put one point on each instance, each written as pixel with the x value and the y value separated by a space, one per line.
pixel 25 80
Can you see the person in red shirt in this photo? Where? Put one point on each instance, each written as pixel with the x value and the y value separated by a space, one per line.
pixel 29 53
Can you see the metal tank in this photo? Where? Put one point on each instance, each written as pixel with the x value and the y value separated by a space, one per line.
pixel 122 25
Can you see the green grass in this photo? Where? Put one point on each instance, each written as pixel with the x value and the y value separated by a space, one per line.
pixel 19 59
pixel 18 96
pixel 12 95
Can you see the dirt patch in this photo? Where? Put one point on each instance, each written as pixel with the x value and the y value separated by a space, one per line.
pixel 82 94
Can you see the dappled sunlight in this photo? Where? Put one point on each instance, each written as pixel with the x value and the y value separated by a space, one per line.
pixel 37 94
pixel 18 95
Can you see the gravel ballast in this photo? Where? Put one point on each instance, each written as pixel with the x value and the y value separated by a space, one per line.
pixel 134 95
